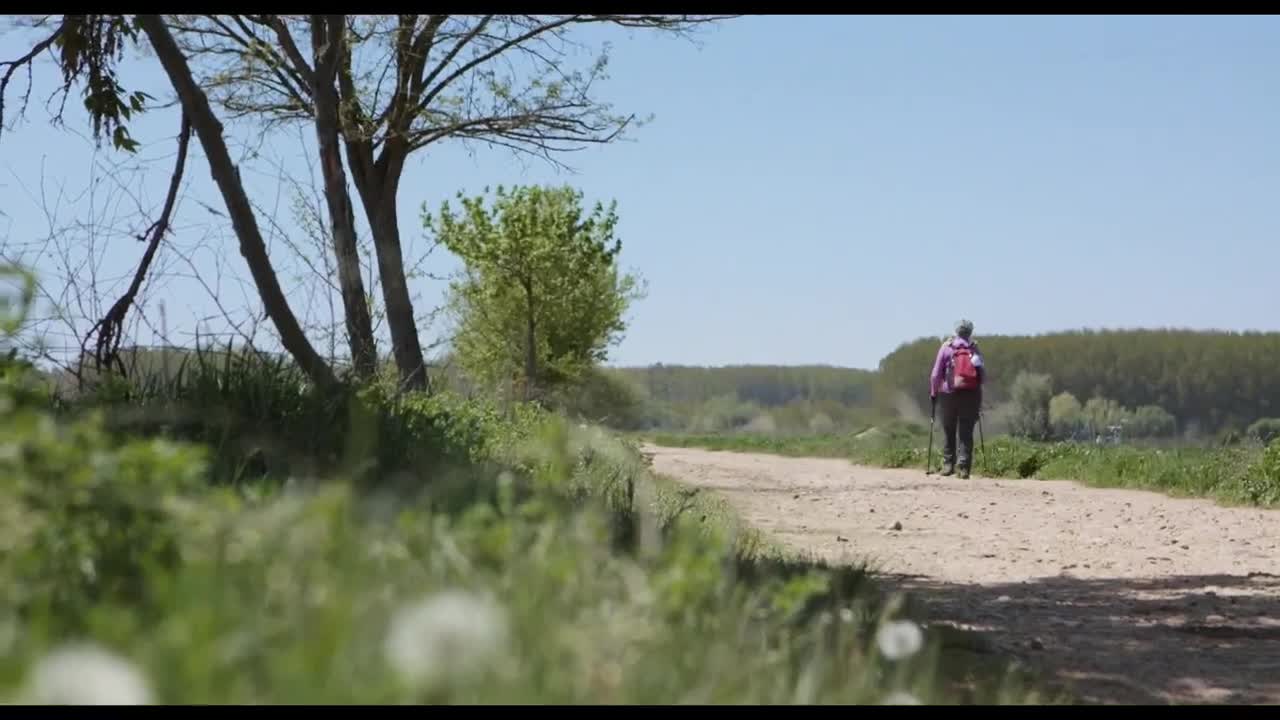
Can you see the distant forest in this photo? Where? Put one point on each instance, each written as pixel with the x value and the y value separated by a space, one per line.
pixel 764 385
pixel 1211 382
pixel 765 398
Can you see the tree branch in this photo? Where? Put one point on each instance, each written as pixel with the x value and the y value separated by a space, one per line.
pixel 291 50
pixel 109 329
pixel 26 60
pixel 225 174
pixel 486 57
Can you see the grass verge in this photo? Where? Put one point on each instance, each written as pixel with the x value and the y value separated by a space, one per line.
pixel 185 546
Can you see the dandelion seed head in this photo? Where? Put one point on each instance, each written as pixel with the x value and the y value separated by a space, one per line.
pixel 900 697
pixel 86 675
pixel 899 639
pixel 448 636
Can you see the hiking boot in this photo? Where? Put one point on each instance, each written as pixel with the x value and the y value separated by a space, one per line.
pixel 947 471
pixel 963 474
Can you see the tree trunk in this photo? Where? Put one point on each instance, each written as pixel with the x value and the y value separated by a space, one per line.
pixel 209 130
pixel 326 35
pixel 379 198
pixel 377 182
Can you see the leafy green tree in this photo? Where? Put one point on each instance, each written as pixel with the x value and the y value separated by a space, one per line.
pixel 541 298
pixel 1032 393
pixel 1102 413
pixel 1152 421
pixel 1066 415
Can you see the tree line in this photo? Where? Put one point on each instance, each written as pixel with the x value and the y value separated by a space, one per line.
pixel 1208 380
pixel 764 385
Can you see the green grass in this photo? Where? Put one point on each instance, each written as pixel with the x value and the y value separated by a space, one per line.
pixel 1231 475
pixel 228 537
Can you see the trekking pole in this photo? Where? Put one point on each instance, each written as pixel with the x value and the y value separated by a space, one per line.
pixel 982 444
pixel 928 456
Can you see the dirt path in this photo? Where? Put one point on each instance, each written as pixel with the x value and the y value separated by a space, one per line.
pixel 1126 596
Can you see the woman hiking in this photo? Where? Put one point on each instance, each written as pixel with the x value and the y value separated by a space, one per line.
pixel 958 374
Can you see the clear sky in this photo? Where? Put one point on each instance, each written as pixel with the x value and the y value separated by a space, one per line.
pixel 820 189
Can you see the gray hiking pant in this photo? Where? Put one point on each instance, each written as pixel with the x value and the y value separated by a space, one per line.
pixel 959 415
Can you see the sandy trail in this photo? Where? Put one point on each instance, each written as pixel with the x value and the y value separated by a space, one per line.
pixel 1125 596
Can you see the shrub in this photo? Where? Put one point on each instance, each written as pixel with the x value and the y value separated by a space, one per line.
pixel 1264 429
pixel 1030 395
pixel 86 517
pixel 1066 416
pixel 1152 421
pixel 1261 484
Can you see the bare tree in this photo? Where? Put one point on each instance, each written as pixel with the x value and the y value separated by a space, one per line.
pixel 110 329
pixel 73 285
pixel 326 43
pixel 407 82
pixel 207 127
pixel 402 83
pixel 90 46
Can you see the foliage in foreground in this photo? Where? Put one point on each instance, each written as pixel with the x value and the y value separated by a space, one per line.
pixel 1241 474
pixel 128 576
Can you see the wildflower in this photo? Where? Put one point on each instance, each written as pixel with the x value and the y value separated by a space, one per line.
pixel 899 639
pixel 86 675
pixel 846 615
pixel 900 697
pixel 449 635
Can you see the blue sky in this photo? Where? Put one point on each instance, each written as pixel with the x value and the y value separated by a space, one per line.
pixel 820 189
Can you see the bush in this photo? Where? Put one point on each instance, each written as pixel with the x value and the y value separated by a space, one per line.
pixel 602 397
pixel 262 421
pixel 1151 421
pixel 1264 430
pixel 1261 485
pixel 1066 416
pixel 86 518
pixel 1030 395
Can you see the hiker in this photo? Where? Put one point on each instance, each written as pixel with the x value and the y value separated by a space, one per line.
pixel 958 374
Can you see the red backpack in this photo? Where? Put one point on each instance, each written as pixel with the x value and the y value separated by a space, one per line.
pixel 964 374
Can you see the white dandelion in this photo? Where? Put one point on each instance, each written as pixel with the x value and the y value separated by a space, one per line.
pixel 900 697
pixel 448 636
pixel 86 675
pixel 899 639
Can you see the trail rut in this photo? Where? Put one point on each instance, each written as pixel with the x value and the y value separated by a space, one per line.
pixel 1123 596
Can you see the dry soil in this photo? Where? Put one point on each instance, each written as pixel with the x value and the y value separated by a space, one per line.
pixel 1124 596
